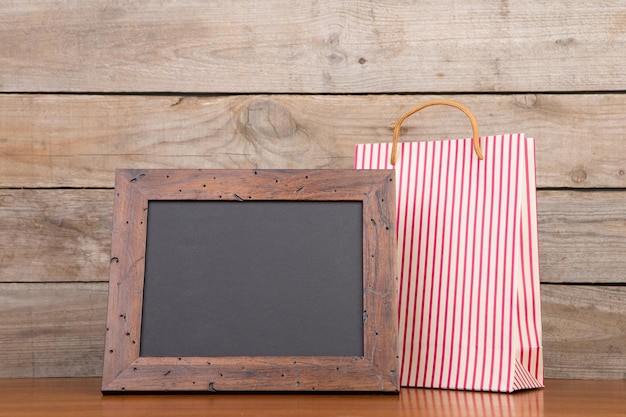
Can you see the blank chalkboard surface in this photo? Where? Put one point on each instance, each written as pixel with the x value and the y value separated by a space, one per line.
pixel 252 280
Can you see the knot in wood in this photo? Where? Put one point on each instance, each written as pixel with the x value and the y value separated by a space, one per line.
pixel 578 175
pixel 267 119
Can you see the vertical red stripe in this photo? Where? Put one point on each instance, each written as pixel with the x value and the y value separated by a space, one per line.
pixel 513 259
pixel 444 265
pixel 411 251
pixel 472 239
pixel 439 280
pixel 406 278
pixel 522 298
pixel 522 302
pixel 452 279
pixel 400 192
pixel 427 301
pixel 375 156
pixel 456 267
pixel 465 277
pixel 419 253
pixel 474 341
pixel 504 263
pixel 485 235
pixel 488 350
pixel 387 164
pixel 531 202
pixel 494 330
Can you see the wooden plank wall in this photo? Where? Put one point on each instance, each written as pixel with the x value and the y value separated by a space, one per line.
pixel 90 86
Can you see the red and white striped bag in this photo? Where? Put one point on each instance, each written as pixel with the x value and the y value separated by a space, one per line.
pixel 469 310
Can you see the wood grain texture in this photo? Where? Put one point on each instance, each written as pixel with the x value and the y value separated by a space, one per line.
pixel 80 397
pixel 584 331
pixel 207 71
pixel 55 235
pixel 65 235
pixel 51 330
pixel 582 236
pixel 313 47
pixel 79 140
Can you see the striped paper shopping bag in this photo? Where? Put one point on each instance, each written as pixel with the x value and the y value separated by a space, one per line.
pixel 469 311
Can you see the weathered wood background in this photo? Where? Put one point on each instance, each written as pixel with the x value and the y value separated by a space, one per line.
pixel 90 86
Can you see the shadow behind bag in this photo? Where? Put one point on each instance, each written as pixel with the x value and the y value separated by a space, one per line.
pixel 469 310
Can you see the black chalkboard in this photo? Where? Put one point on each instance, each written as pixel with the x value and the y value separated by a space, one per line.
pixel 253 278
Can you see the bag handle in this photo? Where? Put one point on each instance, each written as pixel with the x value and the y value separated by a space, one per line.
pixel 396 129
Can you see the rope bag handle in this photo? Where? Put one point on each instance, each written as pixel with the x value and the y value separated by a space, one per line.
pixel 396 129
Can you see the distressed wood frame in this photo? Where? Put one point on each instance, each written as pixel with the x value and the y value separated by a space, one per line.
pixel 377 370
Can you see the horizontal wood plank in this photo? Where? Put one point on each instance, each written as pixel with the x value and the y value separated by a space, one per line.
pixel 57 329
pixel 65 235
pixel 325 46
pixel 79 140
pixel 55 235
pixel 582 236
pixel 52 330
pixel 584 331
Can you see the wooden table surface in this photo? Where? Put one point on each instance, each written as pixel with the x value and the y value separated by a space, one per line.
pixel 70 397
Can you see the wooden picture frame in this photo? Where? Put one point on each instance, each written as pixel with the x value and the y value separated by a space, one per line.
pixel 375 368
